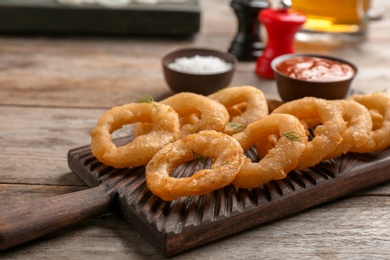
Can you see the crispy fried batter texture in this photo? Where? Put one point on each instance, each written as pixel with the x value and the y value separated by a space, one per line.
pixel 378 104
pixel 297 135
pixel 359 125
pixel 196 113
pixel 245 104
pixel 277 161
pixel 326 118
pixel 226 155
pixel 165 129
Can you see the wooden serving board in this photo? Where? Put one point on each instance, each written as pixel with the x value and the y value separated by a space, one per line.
pixel 188 222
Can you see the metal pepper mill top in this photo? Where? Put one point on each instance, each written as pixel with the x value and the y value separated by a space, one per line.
pixel 247 44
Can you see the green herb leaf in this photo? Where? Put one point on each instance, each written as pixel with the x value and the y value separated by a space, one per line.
pixel 225 163
pixel 292 136
pixel 146 99
pixel 150 100
pixel 237 126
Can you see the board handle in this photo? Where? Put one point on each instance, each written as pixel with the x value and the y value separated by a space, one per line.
pixel 33 219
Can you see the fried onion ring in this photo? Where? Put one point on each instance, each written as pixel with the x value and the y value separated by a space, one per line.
pixel 378 104
pixel 211 115
pixel 138 152
pixel 246 104
pixel 359 125
pixel 328 123
pixel 226 155
pixel 279 160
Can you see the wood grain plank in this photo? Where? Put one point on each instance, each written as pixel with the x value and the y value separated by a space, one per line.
pixel 35 142
pixel 40 76
pixel 336 230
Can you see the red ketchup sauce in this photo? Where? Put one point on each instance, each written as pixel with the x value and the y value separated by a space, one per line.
pixel 315 69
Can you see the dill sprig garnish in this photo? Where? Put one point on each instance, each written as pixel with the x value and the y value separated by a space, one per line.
pixel 146 99
pixel 237 127
pixel 149 100
pixel 225 163
pixel 292 136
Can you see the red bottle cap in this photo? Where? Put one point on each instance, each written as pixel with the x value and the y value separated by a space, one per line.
pixel 281 26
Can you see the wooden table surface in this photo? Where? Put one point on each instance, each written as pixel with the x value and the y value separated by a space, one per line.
pixel 52 89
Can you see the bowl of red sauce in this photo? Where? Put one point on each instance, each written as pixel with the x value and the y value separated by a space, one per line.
pixel 312 75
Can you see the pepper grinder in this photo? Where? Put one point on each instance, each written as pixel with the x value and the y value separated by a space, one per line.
pixel 247 44
pixel 281 25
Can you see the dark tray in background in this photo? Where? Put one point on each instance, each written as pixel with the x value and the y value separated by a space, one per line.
pixel 164 18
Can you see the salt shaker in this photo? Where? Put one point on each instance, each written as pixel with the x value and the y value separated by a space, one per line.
pixel 247 44
pixel 281 25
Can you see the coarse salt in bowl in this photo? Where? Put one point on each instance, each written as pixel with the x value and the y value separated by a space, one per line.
pixel 200 65
pixel 198 70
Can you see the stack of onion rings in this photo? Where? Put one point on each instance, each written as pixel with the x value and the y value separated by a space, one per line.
pixel 359 125
pixel 329 125
pixel 378 104
pixel 168 133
